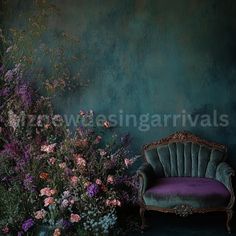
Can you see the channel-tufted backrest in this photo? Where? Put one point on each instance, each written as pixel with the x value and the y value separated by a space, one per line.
pixel 184 154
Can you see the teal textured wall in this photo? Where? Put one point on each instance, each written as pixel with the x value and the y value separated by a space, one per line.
pixel 154 56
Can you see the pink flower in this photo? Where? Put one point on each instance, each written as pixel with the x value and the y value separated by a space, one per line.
pixel 74 180
pixel 80 161
pixel 110 179
pixel 113 202
pixel 128 162
pixel 48 148
pixel 5 230
pixel 47 192
pixel 102 152
pixel 66 193
pixel 48 201
pixel 97 140
pixel 98 182
pixel 39 215
pixel 52 160
pixel 116 202
pixel 62 165
pixel 74 218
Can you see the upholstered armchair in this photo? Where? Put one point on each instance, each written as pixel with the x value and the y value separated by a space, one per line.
pixel 184 174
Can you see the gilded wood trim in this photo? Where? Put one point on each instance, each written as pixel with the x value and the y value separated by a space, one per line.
pixel 184 136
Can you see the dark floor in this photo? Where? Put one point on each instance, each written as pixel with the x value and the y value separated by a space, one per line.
pixel 211 224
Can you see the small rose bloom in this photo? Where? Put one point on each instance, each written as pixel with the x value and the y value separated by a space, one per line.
pixel 52 160
pixel 116 202
pixel 62 165
pixel 74 218
pixel 48 148
pixel 5 230
pixel 110 179
pixel 128 162
pixel 80 161
pixel 102 152
pixel 57 232
pixel 97 140
pixel 74 180
pixel 98 182
pixel 47 192
pixel 39 215
pixel 48 201
pixel 46 126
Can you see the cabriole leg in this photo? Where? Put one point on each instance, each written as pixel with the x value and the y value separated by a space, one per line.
pixel 229 217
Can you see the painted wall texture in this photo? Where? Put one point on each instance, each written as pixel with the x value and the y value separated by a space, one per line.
pixel 158 57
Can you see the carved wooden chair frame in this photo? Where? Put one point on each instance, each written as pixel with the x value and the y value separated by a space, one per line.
pixel 184 210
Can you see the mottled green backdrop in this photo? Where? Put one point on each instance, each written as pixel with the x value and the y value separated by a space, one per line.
pixel 153 56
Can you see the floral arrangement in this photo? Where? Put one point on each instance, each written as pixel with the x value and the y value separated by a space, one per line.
pixel 73 182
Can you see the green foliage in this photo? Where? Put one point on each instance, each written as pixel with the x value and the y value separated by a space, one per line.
pixel 46 63
pixel 12 210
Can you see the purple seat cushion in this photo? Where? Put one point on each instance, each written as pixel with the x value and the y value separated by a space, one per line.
pixel 197 192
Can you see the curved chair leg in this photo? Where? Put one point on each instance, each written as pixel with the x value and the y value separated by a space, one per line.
pixel 229 217
pixel 143 220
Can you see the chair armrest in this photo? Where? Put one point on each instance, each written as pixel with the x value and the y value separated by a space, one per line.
pixel 146 176
pixel 224 174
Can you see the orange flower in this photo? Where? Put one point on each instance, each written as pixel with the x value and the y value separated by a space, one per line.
pixel 57 232
pixel 44 175
pixel 46 126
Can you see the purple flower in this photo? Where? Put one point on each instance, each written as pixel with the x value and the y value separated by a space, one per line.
pixel 11 149
pixel 92 190
pixel 4 92
pixel 9 75
pixel 1 69
pixel 24 92
pixel 26 153
pixel 28 183
pixel 65 224
pixel 27 224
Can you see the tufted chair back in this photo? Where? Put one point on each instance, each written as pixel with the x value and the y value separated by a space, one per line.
pixel 185 155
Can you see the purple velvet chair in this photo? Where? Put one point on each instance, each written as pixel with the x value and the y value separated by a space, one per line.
pixel 184 174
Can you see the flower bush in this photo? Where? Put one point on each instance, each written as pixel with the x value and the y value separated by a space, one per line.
pixel 72 181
